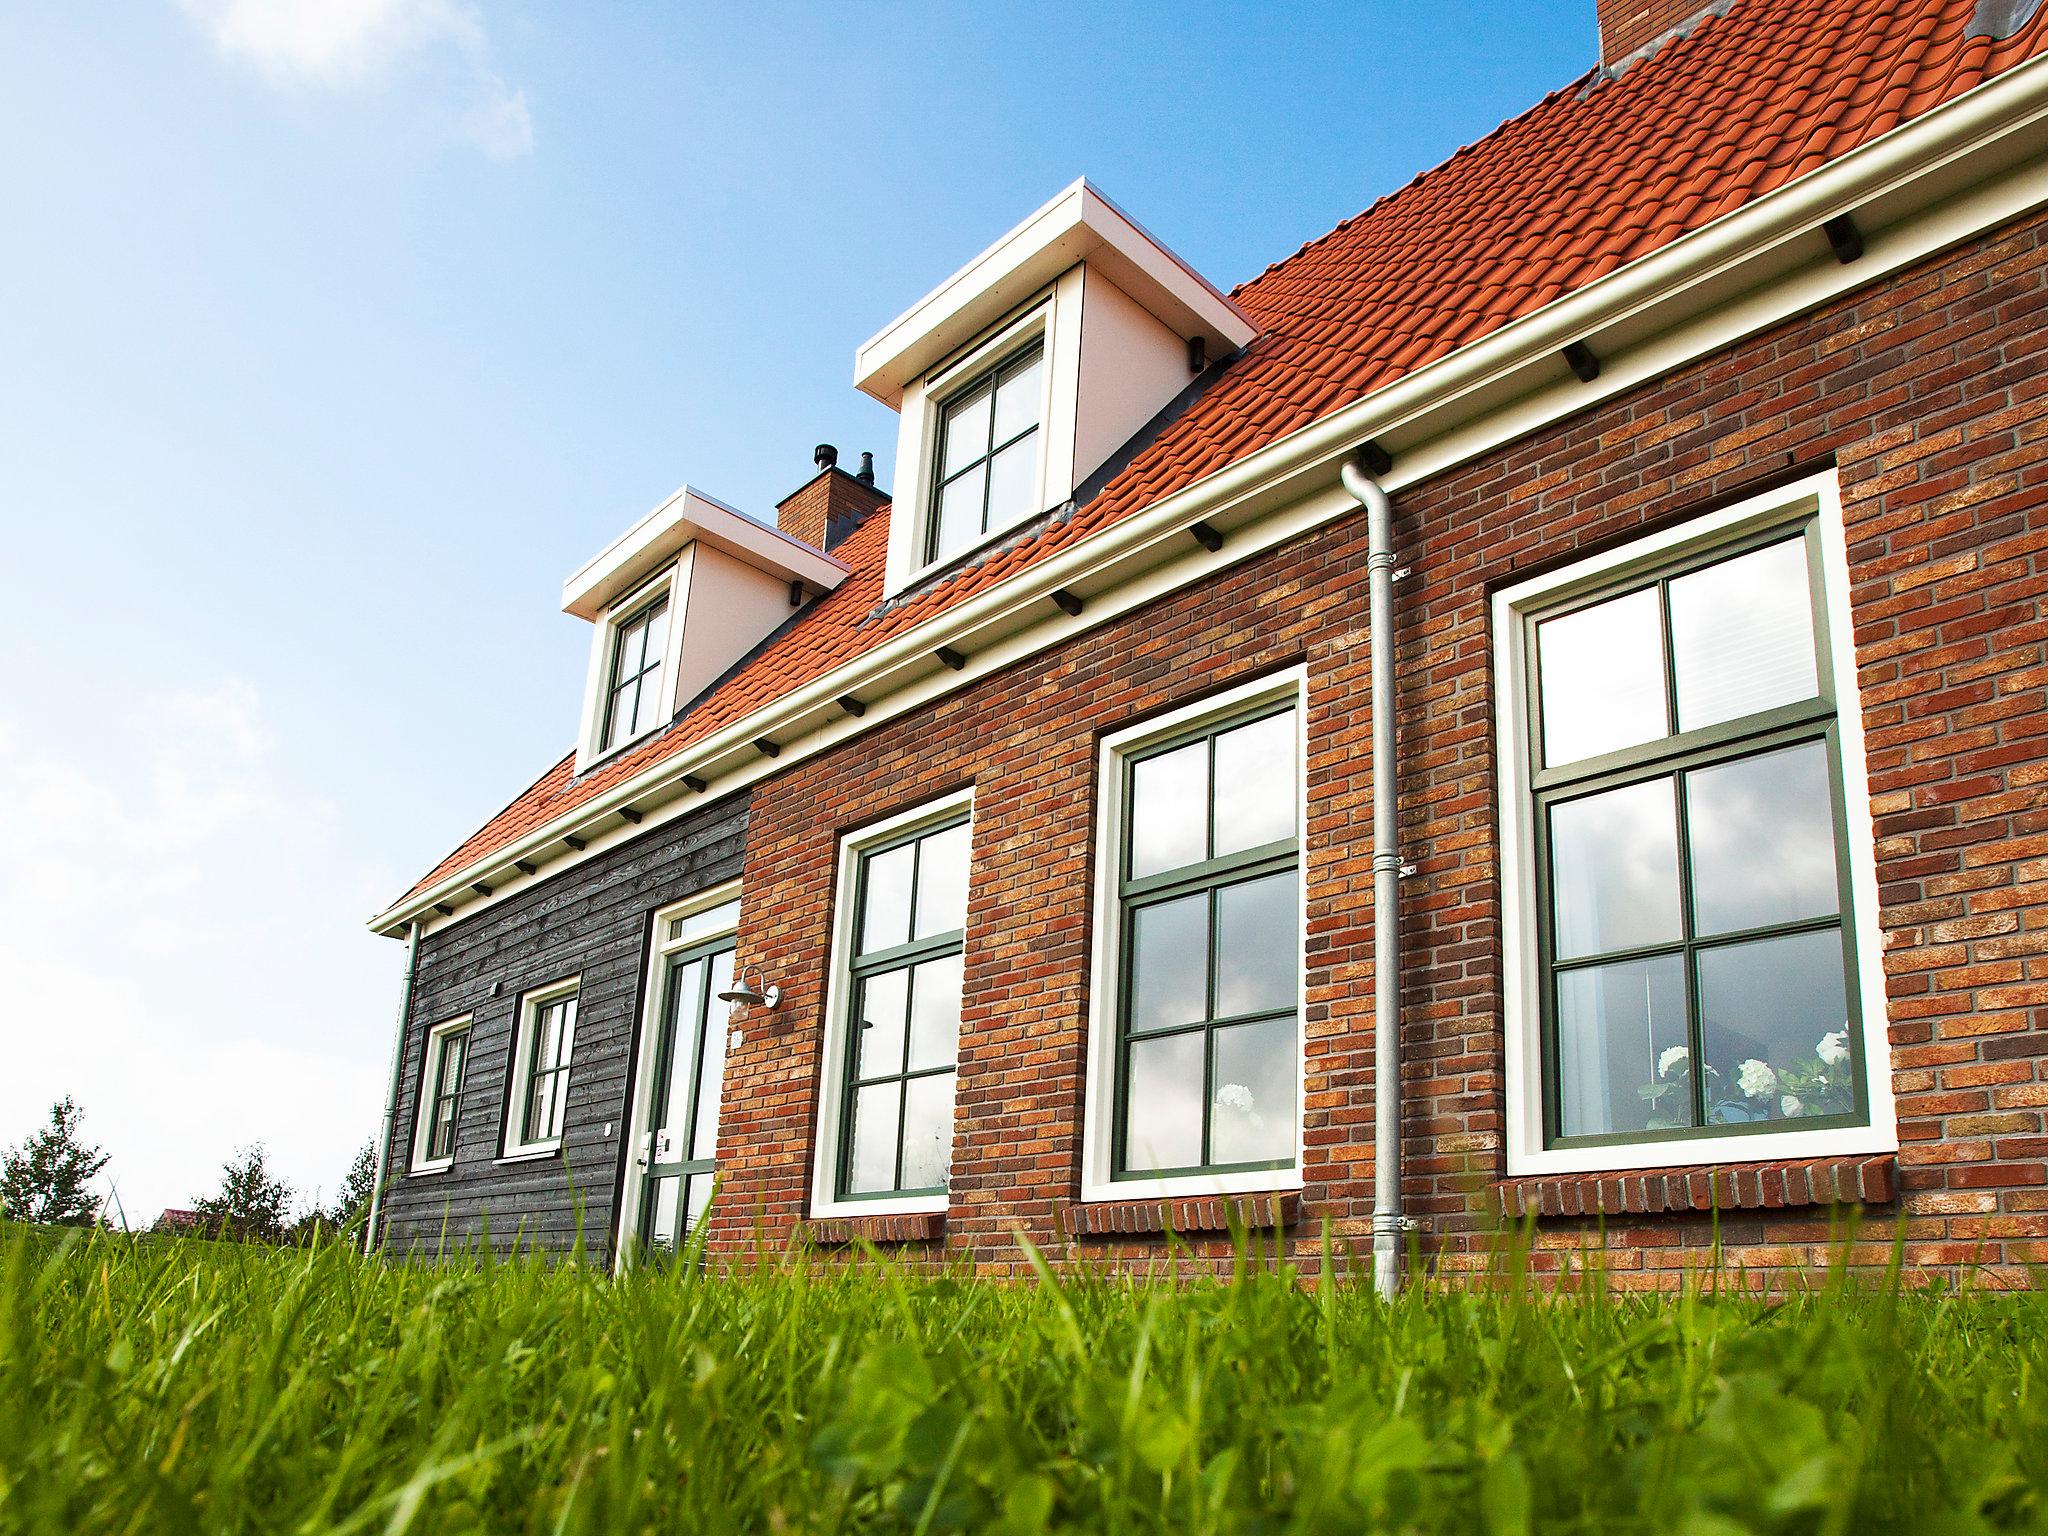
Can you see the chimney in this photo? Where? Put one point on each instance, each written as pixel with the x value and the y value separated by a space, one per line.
pixel 1626 25
pixel 832 503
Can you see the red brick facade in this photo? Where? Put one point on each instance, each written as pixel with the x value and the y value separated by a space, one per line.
pixel 1626 25
pixel 1930 394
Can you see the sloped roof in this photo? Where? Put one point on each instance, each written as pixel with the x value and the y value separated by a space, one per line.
pixel 1594 176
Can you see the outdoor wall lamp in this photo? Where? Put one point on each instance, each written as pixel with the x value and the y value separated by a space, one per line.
pixel 742 994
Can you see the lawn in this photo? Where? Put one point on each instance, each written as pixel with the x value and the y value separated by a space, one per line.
pixel 183 1386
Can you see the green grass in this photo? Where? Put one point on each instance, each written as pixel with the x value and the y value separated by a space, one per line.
pixel 154 1386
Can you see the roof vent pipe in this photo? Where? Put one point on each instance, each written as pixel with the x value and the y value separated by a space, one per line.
pixel 867 469
pixel 824 456
pixel 1387 1223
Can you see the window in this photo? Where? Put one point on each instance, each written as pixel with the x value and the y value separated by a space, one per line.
pixel 540 1068
pixel 440 1102
pixel 1696 957
pixel 988 455
pixel 1202 952
pixel 633 696
pixel 889 1111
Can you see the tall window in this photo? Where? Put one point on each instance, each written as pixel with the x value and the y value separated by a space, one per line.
pixel 1697 961
pixel 633 690
pixel 440 1105
pixel 1208 915
pixel 903 1018
pixel 540 1086
pixel 988 455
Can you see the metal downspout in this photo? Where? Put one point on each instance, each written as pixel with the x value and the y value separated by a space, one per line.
pixel 1387 1223
pixel 412 955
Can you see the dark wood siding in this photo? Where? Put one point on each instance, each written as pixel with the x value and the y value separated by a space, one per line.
pixel 592 921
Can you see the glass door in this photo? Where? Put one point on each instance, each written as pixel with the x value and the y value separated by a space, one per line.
pixel 689 1068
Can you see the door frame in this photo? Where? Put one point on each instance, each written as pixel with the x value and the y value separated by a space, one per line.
pixel 646 1035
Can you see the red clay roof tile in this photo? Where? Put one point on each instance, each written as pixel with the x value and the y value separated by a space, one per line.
pixel 1597 174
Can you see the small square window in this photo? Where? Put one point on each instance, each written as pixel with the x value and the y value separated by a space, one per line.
pixel 988 459
pixel 541 1057
pixel 439 1111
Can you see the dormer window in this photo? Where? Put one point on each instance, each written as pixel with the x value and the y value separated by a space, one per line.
pixel 1026 371
pixel 990 455
pixel 633 701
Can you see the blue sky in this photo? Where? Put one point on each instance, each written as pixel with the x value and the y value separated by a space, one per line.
pixel 337 332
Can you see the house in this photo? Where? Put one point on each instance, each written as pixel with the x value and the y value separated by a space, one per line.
pixel 999 854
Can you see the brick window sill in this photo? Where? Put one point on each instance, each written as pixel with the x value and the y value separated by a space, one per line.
pixel 1217 1213
pixel 1733 1187
pixel 838 1231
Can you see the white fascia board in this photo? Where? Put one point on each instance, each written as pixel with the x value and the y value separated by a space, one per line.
pixel 1498 389
pixel 1079 224
pixel 687 516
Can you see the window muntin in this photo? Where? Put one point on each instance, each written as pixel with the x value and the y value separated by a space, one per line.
pixel 988 451
pixel 546 1044
pixel 903 1021
pixel 448 1054
pixel 632 704
pixel 1208 1056
pixel 1697 962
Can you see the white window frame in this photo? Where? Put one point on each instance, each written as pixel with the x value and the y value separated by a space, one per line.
pixel 641 1109
pixel 1052 319
pixel 1098 1156
pixel 591 749
pixel 430 1089
pixel 838 1000
pixel 1818 496
pixel 530 1005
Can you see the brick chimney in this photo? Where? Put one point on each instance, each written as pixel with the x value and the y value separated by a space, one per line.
pixel 1626 25
pixel 832 503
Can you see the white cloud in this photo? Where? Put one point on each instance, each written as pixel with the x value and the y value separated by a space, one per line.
pixel 180 933
pixel 349 44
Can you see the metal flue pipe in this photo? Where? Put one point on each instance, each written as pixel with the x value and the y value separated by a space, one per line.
pixel 1388 1225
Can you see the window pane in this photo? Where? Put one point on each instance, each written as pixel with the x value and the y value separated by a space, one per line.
pixel 1614 870
pixel 1257 954
pixel 672 1109
pixel 663 1201
pixel 1169 963
pixel 1774 1022
pixel 1170 810
pixel 1762 832
pixel 632 646
pixel 722 918
pixel 1017 399
pixel 647 707
pixel 966 431
pixel 1255 784
pixel 696 1200
pixel 1012 478
pixel 874 1138
pixel 1252 1108
pixel 942 882
pixel 928 1131
pixel 1621 1037
pixel 624 706
pixel 1742 636
pixel 1163 1103
pixel 711 1075
pixel 655 638
pixel 883 1009
pixel 885 920
pixel 935 1014
pixel 960 513
pixel 1602 678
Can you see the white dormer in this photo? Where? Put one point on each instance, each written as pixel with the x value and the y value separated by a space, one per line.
pixel 1017 377
pixel 675 601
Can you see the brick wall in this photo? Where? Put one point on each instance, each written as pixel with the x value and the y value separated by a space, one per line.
pixel 1930 393
pixel 1626 25
pixel 827 507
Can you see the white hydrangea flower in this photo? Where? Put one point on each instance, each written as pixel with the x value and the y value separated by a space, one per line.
pixel 1757 1079
pixel 1834 1047
pixel 1234 1096
pixel 1789 1105
pixel 1675 1056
